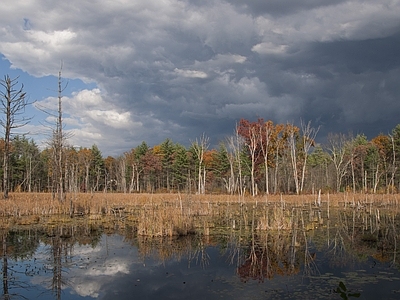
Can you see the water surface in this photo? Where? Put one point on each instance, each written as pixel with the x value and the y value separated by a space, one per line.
pixel 352 255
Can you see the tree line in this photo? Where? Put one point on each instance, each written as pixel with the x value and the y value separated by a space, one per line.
pixel 260 157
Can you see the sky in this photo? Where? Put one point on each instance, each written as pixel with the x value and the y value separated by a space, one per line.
pixel 148 70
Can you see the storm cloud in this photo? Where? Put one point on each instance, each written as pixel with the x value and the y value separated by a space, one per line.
pixel 175 69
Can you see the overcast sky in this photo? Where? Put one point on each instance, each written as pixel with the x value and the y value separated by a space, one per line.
pixel 147 70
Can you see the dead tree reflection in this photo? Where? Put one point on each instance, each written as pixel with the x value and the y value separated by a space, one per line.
pixel 56 253
pixel 6 294
pixel 394 239
pixel 61 240
pixel 200 255
pixel 310 267
pixel 54 241
pixel 269 253
pixel 294 244
pixel 359 234
pixel 16 246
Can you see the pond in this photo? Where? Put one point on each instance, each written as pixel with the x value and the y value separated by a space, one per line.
pixel 352 254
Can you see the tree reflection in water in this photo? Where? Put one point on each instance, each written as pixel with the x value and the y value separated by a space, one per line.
pixel 61 245
pixel 19 246
pixel 16 245
pixel 5 267
pixel 307 244
pixel 276 252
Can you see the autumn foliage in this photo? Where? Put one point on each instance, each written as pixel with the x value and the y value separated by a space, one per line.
pixel 260 158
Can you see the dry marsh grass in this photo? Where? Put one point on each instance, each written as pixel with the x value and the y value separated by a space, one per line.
pixel 175 214
pixel 23 204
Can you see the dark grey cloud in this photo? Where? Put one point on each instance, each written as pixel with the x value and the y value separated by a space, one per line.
pixel 176 69
pixel 280 7
pixel 354 83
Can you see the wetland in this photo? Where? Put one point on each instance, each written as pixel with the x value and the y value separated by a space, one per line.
pixel 180 247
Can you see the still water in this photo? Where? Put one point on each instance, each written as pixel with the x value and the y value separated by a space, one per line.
pixel 352 255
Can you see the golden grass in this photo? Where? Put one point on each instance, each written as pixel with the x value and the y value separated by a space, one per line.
pixel 174 214
pixel 97 204
pixel 22 204
pixel 164 220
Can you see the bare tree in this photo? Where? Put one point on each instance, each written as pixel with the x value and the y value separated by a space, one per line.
pixel 292 141
pixel 280 143
pixel 309 134
pixel 266 132
pixel 230 183
pixel 393 166
pixel 201 146
pixel 13 103
pixel 252 146
pixel 6 276
pixel 57 142
pixel 339 154
pixel 235 144
pixel 234 148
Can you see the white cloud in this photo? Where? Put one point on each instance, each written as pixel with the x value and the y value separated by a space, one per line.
pixel 58 38
pixel 110 267
pixel 190 73
pixel 89 117
pixel 87 99
pixel 111 118
pixel 230 58
pixel 87 288
pixel 269 48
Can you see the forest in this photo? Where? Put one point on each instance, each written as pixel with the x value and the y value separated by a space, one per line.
pixel 259 158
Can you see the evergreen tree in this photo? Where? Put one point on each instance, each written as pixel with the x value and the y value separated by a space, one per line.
pixel 97 169
pixel 167 151
pixel 180 168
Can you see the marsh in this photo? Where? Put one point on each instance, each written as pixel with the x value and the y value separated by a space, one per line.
pixel 239 250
